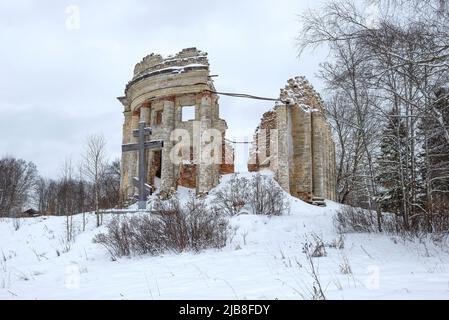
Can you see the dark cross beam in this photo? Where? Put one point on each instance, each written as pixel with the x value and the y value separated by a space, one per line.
pixel 141 146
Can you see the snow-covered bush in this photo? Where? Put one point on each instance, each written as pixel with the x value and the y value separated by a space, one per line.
pixel 233 195
pixel 260 193
pixel 438 221
pixel 16 223
pixel 350 219
pixel 314 248
pixel 118 237
pixel 195 226
pixel 345 267
pixel 338 243
pixel 173 227
pixel 267 197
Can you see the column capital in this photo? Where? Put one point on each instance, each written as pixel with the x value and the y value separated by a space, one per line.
pixel 169 98
pixel 143 105
pixel 168 103
pixel 136 112
pixel 207 94
pixel 206 99
pixel 146 104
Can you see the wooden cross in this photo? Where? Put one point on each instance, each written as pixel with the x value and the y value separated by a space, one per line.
pixel 141 146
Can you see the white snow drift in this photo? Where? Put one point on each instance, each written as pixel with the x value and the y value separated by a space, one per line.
pixel 262 260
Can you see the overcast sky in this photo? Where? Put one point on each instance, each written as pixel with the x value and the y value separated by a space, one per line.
pixel 59 79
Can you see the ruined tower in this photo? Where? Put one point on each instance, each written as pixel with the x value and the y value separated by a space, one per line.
pixel 294 140
pixel 172 93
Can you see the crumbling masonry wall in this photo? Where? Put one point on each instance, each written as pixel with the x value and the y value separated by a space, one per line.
pixel 157 93
pixel 303 155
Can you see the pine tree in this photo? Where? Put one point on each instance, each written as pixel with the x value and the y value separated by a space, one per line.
pixel 392 170
pixel 435 161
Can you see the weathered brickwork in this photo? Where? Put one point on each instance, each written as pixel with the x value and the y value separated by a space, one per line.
pixel 293 140
pixel 304 155
pixel 157 93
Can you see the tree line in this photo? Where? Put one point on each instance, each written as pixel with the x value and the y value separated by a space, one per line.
pixel 91 185
pixel 387 98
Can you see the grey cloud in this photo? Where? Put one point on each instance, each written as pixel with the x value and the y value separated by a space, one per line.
pixel 59 85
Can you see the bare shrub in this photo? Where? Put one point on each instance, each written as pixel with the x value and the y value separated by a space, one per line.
pixel 261 193
pixel 338 243
pixel 3 264
pixel 16 223
pixel 267 197
pixel 118 237
pixel 315 248
pixel 194 227
pixel 206 227
pixel 146 236
pixel 350 219
pixel 392 224
pixel 437 221
pixel 233 195
pixel 345 267
pixel 173 228
pixel 173 224
pixel 317 292
pixel 65 245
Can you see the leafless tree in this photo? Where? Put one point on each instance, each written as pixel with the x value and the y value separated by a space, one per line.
pixel 17 179
pixel 383 78
pixel 94 166
pixel 110 185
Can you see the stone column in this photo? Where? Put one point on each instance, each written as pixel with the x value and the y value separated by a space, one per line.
pixel 145 113
pixel 283 153
pixel 167 167
pixel 124 176
pixel 327 169
pixel 132 165
pixel 318 154
pixel 301 184
pixel 333 172
pixel 215 117
pixel 215 111
pixel 145 110
pixel 205 169
pixel 331 162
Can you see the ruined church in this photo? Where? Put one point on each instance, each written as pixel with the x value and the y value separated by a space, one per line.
pixel 294 140
pixel 173 93
pixel 177 92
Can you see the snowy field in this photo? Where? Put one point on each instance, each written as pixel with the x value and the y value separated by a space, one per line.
pixel 263 260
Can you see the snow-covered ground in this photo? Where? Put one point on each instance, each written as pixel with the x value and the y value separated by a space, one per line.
pixel 263 260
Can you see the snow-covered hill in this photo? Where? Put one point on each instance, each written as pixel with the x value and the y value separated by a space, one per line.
pixel 263 260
